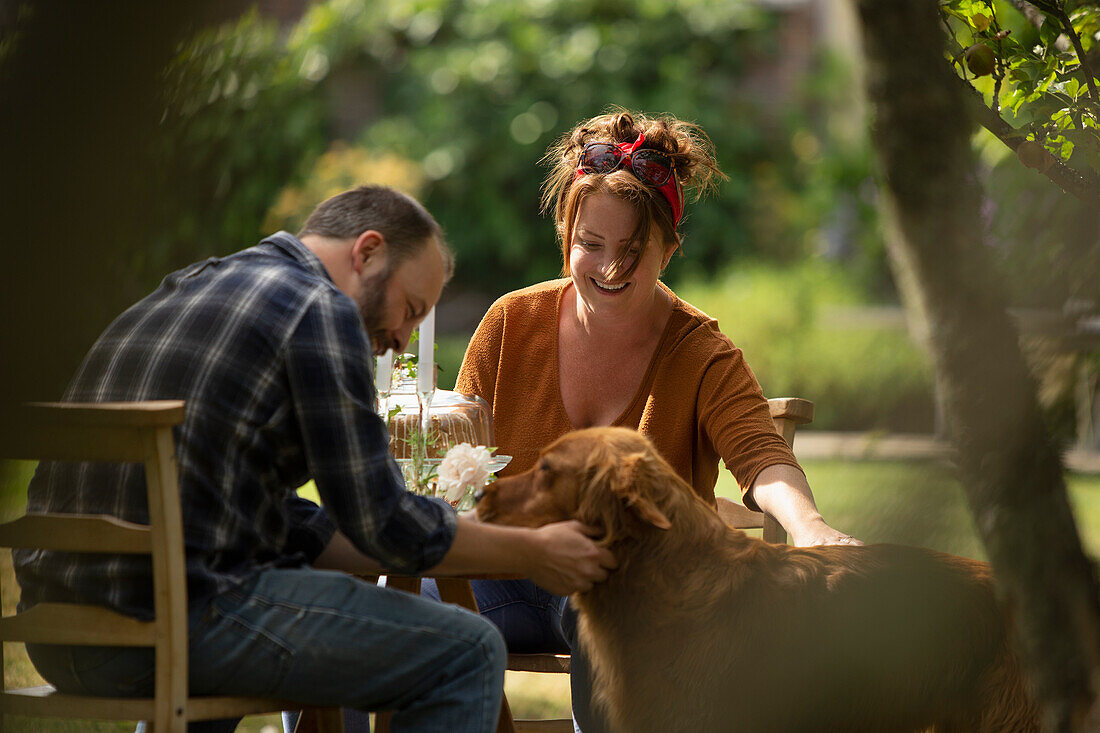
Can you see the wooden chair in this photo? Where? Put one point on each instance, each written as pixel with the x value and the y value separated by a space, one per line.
pixel 787 414
pixel 139 432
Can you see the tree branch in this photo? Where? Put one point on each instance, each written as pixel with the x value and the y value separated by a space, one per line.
pixel 1036 18
pixel 1075 39
pixel 1034 11
pixel 1073 182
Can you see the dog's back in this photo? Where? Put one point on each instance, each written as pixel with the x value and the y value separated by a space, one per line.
pixel 843 638
pixel 875 638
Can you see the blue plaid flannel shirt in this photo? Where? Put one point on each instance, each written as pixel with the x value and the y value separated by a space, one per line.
pixel 273 363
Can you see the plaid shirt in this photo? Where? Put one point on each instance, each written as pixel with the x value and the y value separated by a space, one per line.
pixel 272 361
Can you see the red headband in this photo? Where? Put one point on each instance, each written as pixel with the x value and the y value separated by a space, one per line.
pixel 670 189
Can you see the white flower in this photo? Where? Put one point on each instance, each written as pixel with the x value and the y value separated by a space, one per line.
pixel 464 467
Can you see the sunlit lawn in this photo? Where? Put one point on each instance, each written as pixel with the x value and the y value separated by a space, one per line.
pixel 918 503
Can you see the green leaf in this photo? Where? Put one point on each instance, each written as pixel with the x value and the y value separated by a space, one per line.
pixel 1066 148
pixel 1018 75
pixel 1049 31
pixel 956 14
pixel 1086 21
pixel 1013 100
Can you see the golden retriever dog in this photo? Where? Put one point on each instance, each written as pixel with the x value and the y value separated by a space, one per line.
pixel 704 628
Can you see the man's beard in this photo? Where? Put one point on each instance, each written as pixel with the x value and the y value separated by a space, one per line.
pixel 372 309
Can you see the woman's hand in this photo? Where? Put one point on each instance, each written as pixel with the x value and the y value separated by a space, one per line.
pixel 818 533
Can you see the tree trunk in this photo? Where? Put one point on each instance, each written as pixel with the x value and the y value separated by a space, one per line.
pixel 1011 467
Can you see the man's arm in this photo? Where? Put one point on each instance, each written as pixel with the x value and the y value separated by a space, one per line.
pixel 346 444
pixel 560 557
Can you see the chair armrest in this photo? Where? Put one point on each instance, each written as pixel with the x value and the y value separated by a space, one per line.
pixel 795 409
pixel 738 516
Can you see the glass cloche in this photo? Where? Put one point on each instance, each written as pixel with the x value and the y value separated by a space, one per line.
pixel 420 445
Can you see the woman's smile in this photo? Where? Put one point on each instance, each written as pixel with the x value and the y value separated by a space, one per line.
pixel 609 288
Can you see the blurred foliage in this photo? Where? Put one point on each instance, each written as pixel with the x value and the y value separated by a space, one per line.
pixel 241 114
pixel 340 168
pixel 801 338
pixel 449 350
pixel 1048 242
pixel 475 91
pixel 467 96
pixel 1042 81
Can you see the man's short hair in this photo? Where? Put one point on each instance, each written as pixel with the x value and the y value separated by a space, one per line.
pixel 401 219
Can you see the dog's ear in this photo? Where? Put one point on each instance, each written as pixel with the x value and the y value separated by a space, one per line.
pixel 613 495
pixel 627 481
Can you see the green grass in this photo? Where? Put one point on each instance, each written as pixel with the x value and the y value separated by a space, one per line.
pixel 917 503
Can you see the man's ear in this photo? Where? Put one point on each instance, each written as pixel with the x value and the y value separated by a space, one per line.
pixel 627 480
pixel 369 252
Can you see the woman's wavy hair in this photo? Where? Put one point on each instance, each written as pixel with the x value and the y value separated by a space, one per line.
pixel 693 160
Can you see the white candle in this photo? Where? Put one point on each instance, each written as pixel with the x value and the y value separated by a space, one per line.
pixel 383 372
pixel 425 365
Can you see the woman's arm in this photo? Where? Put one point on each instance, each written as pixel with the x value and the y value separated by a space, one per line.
pixel 783 492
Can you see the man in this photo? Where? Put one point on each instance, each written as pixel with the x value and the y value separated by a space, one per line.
pixel 270 348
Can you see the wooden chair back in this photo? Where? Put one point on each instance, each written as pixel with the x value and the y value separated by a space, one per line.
pixel 139 432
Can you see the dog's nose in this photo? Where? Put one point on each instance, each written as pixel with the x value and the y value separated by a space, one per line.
pixel 479 495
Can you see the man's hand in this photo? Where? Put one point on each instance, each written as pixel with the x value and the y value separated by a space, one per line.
pixel 565 559
pixel 562 557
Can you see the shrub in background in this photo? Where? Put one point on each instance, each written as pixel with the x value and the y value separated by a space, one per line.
pixel 341 167
pixel 790 322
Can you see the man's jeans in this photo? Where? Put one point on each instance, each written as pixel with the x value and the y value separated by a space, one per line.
pixel 319 638
pixel 532 621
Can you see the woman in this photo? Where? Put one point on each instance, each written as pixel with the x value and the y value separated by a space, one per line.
pixel 609 344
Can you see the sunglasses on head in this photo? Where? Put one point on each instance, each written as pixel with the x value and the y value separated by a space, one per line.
pixel 651 166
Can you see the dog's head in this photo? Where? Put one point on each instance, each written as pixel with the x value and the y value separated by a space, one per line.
pixel 609 478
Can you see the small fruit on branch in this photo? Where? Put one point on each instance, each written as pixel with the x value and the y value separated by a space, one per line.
pixel 1033 155
pixel 980 59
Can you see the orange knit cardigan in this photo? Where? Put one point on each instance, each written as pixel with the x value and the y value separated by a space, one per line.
pixel 698 402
